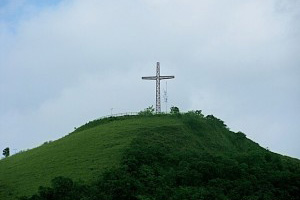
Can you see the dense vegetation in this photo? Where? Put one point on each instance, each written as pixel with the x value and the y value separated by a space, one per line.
pixel 190 157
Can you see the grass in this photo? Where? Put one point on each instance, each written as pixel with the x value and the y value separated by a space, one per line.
pixel 83 155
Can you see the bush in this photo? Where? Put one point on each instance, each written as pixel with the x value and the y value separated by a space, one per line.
pixel 147 112
pixel 174 110
pixel 61 188
pixel 6 152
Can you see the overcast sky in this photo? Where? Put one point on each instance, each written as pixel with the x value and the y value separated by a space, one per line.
pixel 65 62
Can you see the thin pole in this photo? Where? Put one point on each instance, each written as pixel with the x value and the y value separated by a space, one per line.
pixel 166 98
pixel 158 110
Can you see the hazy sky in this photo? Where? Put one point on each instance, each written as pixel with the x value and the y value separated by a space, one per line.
pixel 63 63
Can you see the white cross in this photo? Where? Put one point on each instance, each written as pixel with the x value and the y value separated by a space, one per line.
pixel 158 77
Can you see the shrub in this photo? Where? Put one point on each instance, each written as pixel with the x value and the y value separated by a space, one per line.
pixel 148 111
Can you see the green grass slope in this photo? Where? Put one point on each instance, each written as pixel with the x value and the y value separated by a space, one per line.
pixel 155 157
pixel 84 154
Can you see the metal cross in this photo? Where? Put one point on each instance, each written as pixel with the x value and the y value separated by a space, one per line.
pixel 158 77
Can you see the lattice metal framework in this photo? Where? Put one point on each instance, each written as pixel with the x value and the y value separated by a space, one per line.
pixel 158 77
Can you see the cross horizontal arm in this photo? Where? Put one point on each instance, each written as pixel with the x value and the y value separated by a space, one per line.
pixel 149 78
pixel 166 77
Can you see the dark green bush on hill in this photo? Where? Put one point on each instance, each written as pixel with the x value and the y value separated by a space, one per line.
pixel 61 188
pixel 6 152
pixel 202 160
pixel 148 111
pixel 174 110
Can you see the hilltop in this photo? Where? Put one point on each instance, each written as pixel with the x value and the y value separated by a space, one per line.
pixel 179 156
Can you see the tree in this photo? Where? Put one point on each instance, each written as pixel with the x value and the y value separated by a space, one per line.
pixel 199 113
pixel 147 111
pixel 174 110
pixel 6 152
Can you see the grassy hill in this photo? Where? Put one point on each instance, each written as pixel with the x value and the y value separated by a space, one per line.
pixel 162 156
pixel 83 154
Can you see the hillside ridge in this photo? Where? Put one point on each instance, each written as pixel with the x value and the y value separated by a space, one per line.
pixel 182 143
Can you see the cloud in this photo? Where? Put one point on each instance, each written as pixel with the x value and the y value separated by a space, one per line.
pixel 71 62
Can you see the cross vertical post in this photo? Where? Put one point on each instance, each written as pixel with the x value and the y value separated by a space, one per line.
pixel 157 78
